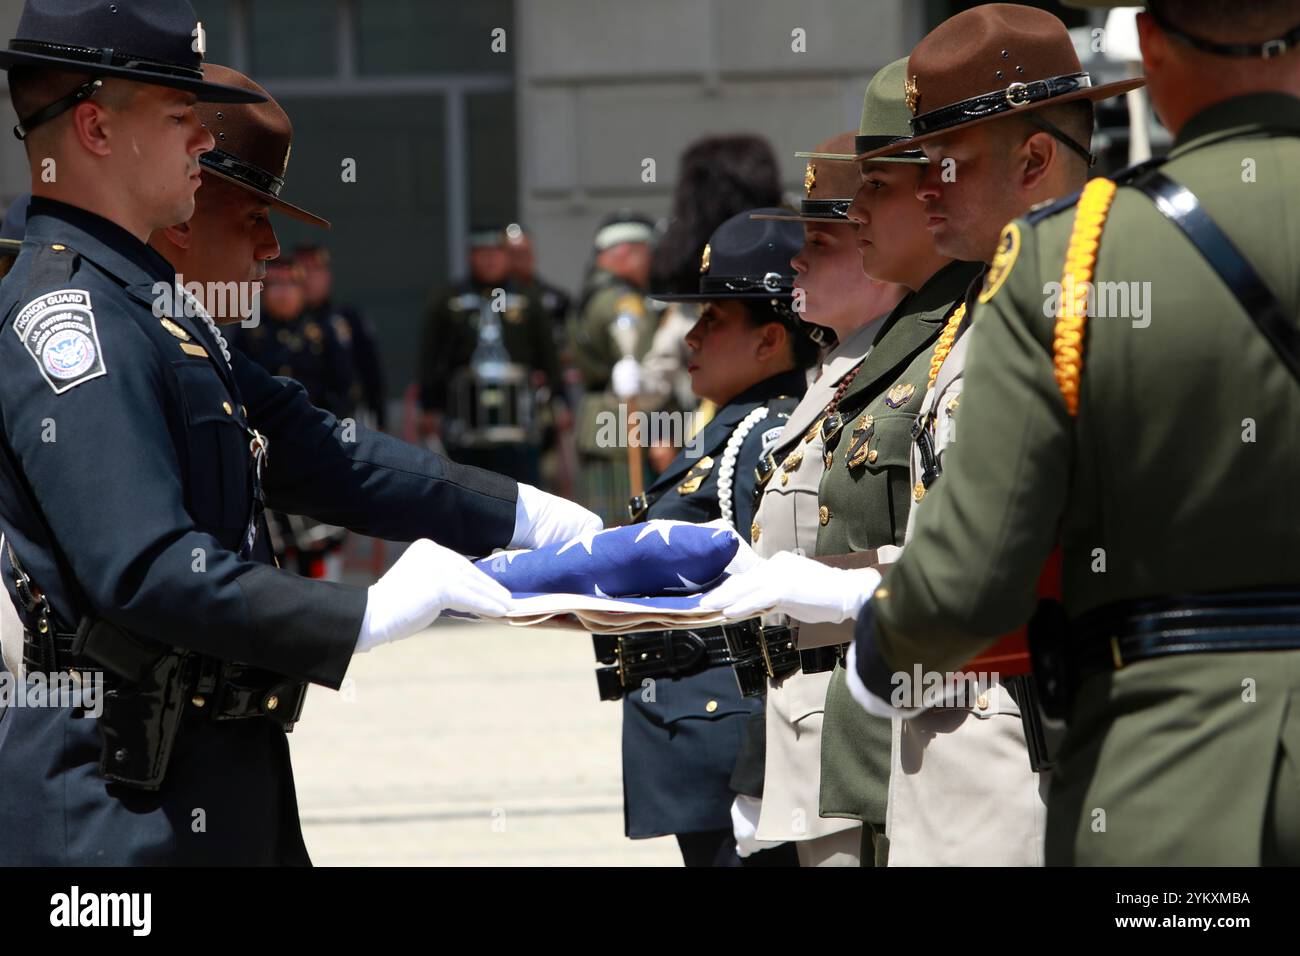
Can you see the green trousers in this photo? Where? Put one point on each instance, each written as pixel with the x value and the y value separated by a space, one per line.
pixel 1188 760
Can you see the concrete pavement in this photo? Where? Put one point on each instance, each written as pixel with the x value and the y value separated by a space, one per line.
pixel 468 745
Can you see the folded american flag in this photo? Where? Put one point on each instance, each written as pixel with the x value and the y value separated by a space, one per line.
pixel 622 578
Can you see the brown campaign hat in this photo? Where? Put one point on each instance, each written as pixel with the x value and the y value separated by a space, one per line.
pixel 253 143
pixel 829 183
pixel 991 61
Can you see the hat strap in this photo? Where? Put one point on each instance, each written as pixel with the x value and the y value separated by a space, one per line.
pixel 1051 129
pixel 245 172
pixel 64 103
pixel 1266 50
pixel 1014 97
pixel 830 208
pixel 869 143
pixel 772 283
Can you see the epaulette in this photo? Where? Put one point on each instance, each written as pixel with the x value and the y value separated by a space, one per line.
pixel 1051 207
pixel 51 266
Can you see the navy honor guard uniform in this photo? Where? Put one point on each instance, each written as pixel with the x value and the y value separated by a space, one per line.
pixel 684 719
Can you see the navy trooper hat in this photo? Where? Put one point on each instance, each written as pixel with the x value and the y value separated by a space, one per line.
pixel 160 42
pixel 748 258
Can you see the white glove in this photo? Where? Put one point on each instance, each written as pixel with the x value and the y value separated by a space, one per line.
pixel 798 587
pixel 744 826
pixel 426 580
pixel 625 378
pixel 542 519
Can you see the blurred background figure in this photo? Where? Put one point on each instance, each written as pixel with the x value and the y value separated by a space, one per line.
pixel 719 176
pixel 612 323
pixel 489 371
pixel 559 455
pixel 523 273
pixel 357 337
pixel 302 344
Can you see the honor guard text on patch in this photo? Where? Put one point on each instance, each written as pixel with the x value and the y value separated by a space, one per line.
pixel 58 331
pixel 1003 260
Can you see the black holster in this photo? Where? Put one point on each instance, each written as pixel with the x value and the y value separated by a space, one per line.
pixel 1051 655
pixel 143 707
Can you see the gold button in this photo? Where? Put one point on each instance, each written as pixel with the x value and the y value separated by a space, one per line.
pixel 272 702
pixel 982 702
pixel 754 532
pixel 58 247
pixel 919 491
pixel 824 515
pixel 228 408
pixel 198 700
pixel 785 479
pixel 872 456
pixel 711 706
pixel 882 593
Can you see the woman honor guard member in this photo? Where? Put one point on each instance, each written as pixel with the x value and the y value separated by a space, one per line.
pixel 683 725
pixel 863 496
pixel 837 295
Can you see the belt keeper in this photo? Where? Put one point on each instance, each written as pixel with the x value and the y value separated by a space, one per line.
pixel 1116 657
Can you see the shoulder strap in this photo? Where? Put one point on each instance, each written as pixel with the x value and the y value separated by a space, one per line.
pixel 1080 259
pixel 1180 206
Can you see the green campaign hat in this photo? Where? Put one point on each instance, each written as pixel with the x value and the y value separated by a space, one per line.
pixel 886 120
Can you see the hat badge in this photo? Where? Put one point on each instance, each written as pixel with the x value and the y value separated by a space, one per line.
pixel 809 178
pixel 200 37
pixel 704 259
pixel 911 94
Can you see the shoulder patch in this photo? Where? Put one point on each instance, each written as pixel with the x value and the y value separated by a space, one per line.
pixel 1003 261
pixel 58 331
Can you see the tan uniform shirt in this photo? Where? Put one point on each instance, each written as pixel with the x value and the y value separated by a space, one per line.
pixel 961 790
pixel 787 520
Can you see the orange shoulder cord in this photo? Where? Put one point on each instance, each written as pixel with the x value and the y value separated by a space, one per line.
pixel 1080 260
pixel 944 345
pixel 1009 655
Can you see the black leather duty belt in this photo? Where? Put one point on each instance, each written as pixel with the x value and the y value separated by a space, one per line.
pixel 221 690
pixel 650 655
pixel 760 654
pixel 1116 635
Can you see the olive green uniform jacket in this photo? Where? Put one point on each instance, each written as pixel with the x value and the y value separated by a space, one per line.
pixel 864 496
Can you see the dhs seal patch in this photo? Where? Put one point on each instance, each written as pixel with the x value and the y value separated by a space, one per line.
pixel 58 331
